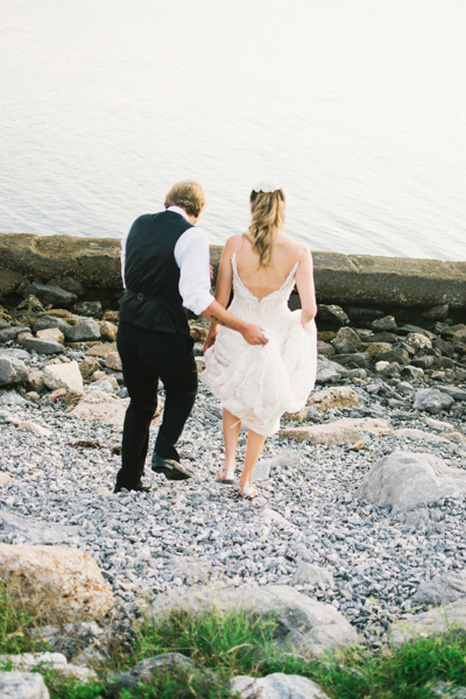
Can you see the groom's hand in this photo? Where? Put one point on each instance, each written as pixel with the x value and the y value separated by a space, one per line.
pixel 254 335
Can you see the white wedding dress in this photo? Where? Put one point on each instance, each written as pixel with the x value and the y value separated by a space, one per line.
pixel 258 383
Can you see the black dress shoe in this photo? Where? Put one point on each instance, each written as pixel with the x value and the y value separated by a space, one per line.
pixel 139 488
pixel 171 469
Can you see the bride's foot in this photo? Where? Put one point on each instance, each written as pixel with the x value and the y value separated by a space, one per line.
pixel 248 491
pixel 225 476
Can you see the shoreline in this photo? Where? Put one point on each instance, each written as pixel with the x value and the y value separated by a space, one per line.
pixel 346 280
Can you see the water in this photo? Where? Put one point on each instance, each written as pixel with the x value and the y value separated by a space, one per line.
pixel 357 106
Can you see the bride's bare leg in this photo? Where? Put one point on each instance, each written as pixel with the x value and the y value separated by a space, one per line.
pixel 231 429
pixel 253 449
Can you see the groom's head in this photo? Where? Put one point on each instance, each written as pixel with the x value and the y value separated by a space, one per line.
pixel 189 195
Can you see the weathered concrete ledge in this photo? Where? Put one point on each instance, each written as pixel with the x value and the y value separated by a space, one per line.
pixel 340 279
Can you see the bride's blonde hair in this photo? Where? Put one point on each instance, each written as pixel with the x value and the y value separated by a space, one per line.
pixel 268 215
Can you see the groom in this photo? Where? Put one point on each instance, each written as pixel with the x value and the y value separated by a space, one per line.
pixel 165 269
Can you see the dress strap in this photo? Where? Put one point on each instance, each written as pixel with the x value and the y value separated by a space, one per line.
pixel 236 244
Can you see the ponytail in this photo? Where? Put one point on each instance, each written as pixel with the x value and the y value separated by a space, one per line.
pixel 268 215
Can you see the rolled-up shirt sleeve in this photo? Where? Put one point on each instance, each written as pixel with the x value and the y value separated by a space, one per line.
pixel 193 258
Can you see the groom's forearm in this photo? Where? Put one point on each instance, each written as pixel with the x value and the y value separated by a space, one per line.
pixel 216 313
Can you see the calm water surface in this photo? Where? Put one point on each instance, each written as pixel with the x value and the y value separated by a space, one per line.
pixel 357 106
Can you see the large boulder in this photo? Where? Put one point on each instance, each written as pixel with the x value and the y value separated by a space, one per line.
pixel 55 584
pixel 407 480
pixel 65 376
pixel 51 295
pixel 432 400
pixel 23 685
pixel 436 621
pixel 304 624
pixel 276 686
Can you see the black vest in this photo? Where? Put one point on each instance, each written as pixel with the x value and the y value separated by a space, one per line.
pixel 152 299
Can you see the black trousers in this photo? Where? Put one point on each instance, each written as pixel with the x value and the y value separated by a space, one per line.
pixel 146 356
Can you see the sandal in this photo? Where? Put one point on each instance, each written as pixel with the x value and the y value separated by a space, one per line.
pixel 225 476
pixel 248 491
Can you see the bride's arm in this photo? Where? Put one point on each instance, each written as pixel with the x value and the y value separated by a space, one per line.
pixel 222 289
pixel 306 289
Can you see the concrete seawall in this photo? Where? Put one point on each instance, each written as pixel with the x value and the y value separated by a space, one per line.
pixel 340 279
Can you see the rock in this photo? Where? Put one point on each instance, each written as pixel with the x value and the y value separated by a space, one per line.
pixel 454 392
pixel 145 671
pixel 386 337
pixel 325 349
pixel 106 385
pixel 113 361
pixel 312 574
pixel 455 332
pixel 101 349
pixel 442 589
pixel 108 331
pixel 432 400
pixel 335 397
pixel 30 661
pixel 375 348
pixel 55 583
pixel 436 621
pixel 418 341
pixel 30 426
pixel 51 295
pixel 276 686
pixel 65 376
pixel 21 530
pixel 49 321
pixel 413 372
pixel 101 407
pixel 23 685
pixel 35 380
pixel 355 359
pixel 407 480
pixel 16 353
pixel 424 361
pixel 385 324
pixel 390 369
pixel 400 356
pixel 307 626
pixel 345 431
pixel 440 312
pixel 447 690
pixel 12 398
pixel 51 334
pixel 410 433
pixel 299 416
pixel 12 371
pixel 9 281
pixel 12 332
pixel 343 346
pixel 88 308
pixel 198 332
pixel 364 316
pixel 84 331
pixel 332 314
pixel 43 346
pixel 4 478
pixel 88 366
pixel 445 347
pixel 190 568
pixel 327 371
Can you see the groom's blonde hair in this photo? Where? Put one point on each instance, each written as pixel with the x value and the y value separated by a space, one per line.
pixel 189 195
pixel 268 216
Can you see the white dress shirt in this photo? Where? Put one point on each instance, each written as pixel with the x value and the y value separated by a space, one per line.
pixel 193 258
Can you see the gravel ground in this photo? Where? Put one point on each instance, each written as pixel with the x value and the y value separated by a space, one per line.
pixel 199 531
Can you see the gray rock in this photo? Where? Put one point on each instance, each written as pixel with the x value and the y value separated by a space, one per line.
pixel 436 621
pixel 88 308
pixel 54 295
pixel 400 356
pixel 358 359
pixel 21 530
pixel 442 589
pixel 12 370
pixel 16 353
pixel 432 400
pixel 190 568
pixel 29 661
pixel 343 346
pixel 306 625
pixel 84 331
pixel 453 391
pixel 332 314
pixel 144 672
pixel 23 685
pixel 437 312
pixel 385 324
pixel 312 574
pixel 424 362
pixel 11 333
pixel 47 322
pixel 327 371
pixel 12 398
pixel 40 346
pixel 447 690
pixel 406 480
pixel 9 280
pixel 276 686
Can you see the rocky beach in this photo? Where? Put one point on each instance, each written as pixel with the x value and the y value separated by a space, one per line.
pixel 360 521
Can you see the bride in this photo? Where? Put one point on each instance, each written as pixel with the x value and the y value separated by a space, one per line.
pixel 257 384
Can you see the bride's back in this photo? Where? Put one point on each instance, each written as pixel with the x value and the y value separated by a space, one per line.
pixel 262 280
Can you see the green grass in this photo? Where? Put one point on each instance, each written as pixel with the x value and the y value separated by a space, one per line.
pixel 224 645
